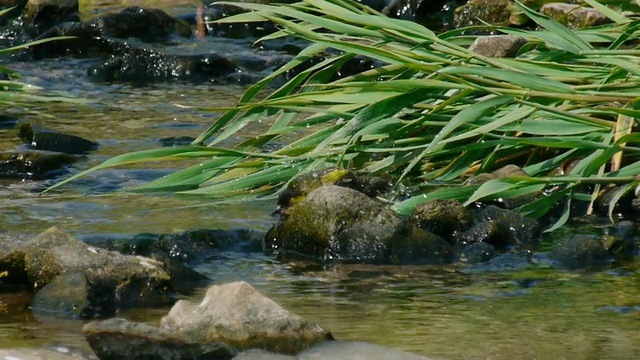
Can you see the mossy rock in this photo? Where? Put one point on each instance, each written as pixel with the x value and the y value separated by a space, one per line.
pixel 338 223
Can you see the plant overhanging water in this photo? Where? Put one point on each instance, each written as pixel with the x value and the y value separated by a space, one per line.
pixel 431 114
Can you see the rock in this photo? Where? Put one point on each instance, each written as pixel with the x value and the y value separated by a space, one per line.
pixel 46 353
pixel 258 354
pixel 40 138
pixel 623 206
pixel 581 251
pixel 7 121
pixel 188 246
pixel 134 64
pixel 625 229
pixel 494 12
pixel 503 46
pixel 574 15
pixel 512 261
pixel 34 165
pixel 355 350
pixel 43 14
pixel 522 230
pixel 78 280
pixel 176 141
pixel 116 339
pixel 443 218
pixel 619 248
pixel 300 187
pixel 501 173
pixel 335 223
pixel 238 315
pixel 336 350
pixel 478 252
pixel 489 232
pixel 149 25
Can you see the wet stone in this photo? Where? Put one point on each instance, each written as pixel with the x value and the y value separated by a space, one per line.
pixel 44 14
pixel 146 24
pixel 522 230
pixel 580 252
pixel 34 165
pixel 116 339
pixel 7 121
pixel 443 218
pixel 78 280
pixel 336 223
pixel 176 141
pixel 478 252
pixel 41 138
pixel 475 12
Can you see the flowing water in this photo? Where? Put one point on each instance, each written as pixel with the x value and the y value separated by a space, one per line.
pixel 444 312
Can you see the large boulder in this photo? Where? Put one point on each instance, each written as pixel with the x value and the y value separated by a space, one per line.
pixel 238 315
pixel 335 223
pixel 78 280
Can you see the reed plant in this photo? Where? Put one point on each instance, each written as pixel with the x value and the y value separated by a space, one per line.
pixel 430 114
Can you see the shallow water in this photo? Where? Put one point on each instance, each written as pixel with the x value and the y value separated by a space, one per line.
pixel 444 312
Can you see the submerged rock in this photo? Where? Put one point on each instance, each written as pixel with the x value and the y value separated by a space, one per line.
pixel 41 138
pixel 336 350
pixel 116 339
pixel 78 280
pixel 46 353
pixel 189 246
pixel 336 223
pixel 356 350
pixel 238 315
pixel 34 165
pixel 581 251
pixel 134 64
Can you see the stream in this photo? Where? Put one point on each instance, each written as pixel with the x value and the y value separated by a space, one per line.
pixel 446 312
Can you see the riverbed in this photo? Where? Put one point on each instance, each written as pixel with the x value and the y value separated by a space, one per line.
pixel 448 312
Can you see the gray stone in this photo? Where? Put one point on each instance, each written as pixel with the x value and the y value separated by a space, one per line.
pixel 503 46
pixel 238 315
pixel 116 339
